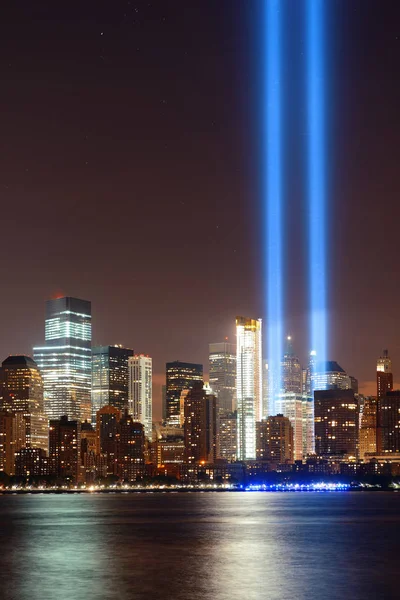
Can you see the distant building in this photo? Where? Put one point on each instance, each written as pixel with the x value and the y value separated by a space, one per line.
pixel 200 425
pixel 109 377
pixel 291 370
pixel 65 361
pixel 222 369
pixel 275 442
pixel 170 455
pixel 249 384
pixel 64 448
pixel 290 405
pixel 12 439
pixel 308 426
pixel 180 376
pixel 330 375
pixel 384 375
pixel 22 392
pixel 336 423
pixel 141 391
pixel 388 432
pixel 227 437
pixel 368 426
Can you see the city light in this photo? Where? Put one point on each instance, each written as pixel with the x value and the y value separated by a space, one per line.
pixel 273 195
pixel 317 231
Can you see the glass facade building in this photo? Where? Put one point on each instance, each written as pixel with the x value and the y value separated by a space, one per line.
pixel 180 376
pixel 65 360
pixel 222 370
pixel 110 377
pixel 249 385
pixel 140 368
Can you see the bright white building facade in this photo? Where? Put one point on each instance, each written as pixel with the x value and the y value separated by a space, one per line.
pixel 248 384
pixel 140 397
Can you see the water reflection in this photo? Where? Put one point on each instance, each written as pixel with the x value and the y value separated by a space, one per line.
pixel 199 546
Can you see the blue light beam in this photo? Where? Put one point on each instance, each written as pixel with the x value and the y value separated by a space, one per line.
pixel 273 200
pixel 316 177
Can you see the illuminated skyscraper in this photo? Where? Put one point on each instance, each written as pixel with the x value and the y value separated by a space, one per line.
pixel 291 370
pixel 384 375
pixel 180 376
pixel 65 448
pixel 249 384
pixel 109 377
pixel 329 376
pixel 140 391
pixel 65 362
pixel 222 369
pixel 290 405
pixel 22 392
pixel 227 437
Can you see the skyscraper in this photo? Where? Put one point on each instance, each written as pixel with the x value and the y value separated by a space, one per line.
pixel 336 423
pixel 388 433
pixel 140 370
pixel 22 392
pixel 109 377
pixel 330 375
pixel 291 370
pixel 107 420
pixel 222 369
pixel 65 360
pixel 384 375
pixel 249 384
pixel 227 437
pixel 290 405
pixel 200 425
pixel 180 376
pixel 368 426
pixel 12 439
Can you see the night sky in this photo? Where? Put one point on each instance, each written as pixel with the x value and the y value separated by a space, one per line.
pixel 130 169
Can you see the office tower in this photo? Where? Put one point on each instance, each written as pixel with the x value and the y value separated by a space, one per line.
pixel 107 420
pixel 64 448
pixel 12 439
pixel 275 441
pixel 308 426
pixel 140 369
pixel 22 392
pixel 227 437
pixel 163 402
pixel 290 405
pixel 32 462
pixel 180 376
pixel 388 434
pixel 249 384
pixel 222 369
pixel 368 423
pixel 200 425
pixel 330 375
pixel 336 423
pixel 65 361
pixel 109 377
pixel 384 375
pixel 291 370
pixel 131 442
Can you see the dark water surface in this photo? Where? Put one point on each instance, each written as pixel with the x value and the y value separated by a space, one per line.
pixel 223 546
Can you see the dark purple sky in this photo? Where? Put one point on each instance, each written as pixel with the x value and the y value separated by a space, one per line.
pixel 129 173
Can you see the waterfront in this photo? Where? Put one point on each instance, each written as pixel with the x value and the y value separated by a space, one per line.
pixel 200 546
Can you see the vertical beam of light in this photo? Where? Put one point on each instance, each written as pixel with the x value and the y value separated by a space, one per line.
pixel 316 178
pixel 273 193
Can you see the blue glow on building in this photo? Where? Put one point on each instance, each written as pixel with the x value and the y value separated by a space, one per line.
pixel 316 177
pixel 273 196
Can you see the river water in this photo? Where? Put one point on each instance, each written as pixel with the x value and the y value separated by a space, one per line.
pixel 200 546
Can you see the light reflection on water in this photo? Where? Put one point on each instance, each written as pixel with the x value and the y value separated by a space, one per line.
pixel 199 546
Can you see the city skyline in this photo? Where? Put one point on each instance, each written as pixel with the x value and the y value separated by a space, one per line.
pixel 157 151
